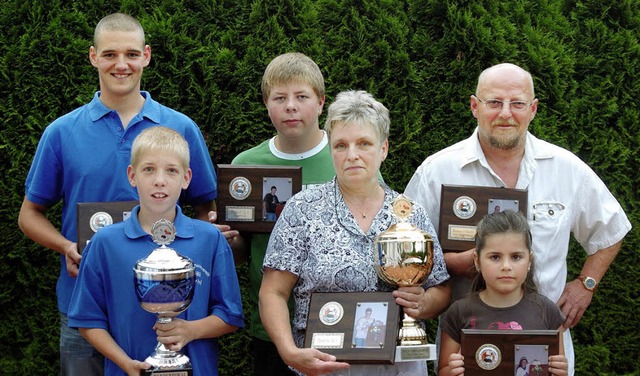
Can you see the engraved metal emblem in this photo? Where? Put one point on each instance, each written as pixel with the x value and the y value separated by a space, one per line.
pixel 240 188
pixel 163 232
pixel 99 220
pixel 402 207
pixel 488 357
pixel 464 207
pixel 331 313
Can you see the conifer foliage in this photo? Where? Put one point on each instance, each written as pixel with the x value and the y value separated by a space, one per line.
pixel 421 58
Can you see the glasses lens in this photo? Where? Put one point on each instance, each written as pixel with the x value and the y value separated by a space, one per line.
pixel 493 103
pixel 518 105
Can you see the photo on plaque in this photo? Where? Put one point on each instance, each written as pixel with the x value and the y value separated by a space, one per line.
pixel 532 360
pixel 508 352
pixel 497 206
pixel 370 325
pixel 333 320
pixel 275 192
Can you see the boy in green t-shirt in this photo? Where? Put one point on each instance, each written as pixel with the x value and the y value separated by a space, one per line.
pixel 293 92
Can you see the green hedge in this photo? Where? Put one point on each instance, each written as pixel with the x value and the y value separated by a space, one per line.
pixel 421 58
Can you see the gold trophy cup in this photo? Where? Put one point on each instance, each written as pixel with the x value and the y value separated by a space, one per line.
pixel 403 256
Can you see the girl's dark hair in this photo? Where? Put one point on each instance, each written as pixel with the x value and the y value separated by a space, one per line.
pixel 500 223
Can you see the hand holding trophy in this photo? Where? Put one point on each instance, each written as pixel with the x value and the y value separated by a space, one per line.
pixel 403 256
pixel 164 284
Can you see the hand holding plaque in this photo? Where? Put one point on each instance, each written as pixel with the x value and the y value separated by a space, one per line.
pixel 164 285
pixel 404 257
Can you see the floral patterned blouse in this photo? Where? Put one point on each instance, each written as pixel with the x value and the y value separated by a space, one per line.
pixel 317 238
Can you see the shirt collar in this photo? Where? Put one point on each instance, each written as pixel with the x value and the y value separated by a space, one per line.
pixel 150 109
pixel 133 229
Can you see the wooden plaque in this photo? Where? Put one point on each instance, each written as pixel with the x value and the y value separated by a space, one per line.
pixel 498 352
pixel 92 216
pixel 242 188
pixel 332 322
pixel 462 207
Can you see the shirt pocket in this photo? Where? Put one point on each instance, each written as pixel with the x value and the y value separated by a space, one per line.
pixel 549 213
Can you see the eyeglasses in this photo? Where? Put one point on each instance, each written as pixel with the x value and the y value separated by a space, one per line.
pixel 496 104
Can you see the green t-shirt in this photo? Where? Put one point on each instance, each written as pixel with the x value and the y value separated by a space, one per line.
pixel 317 168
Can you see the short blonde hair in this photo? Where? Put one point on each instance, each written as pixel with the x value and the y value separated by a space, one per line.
pixel 292 67
pixel 118 22
pixel 160 139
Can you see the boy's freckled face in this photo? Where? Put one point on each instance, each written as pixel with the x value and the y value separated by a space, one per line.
pixel 159 178
pixel 294 109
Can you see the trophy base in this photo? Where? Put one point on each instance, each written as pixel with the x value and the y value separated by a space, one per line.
pixel 167 363
pixel 167 372
pixel 410 353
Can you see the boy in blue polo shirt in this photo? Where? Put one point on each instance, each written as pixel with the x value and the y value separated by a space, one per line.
pixel 104 305
pixel 83 156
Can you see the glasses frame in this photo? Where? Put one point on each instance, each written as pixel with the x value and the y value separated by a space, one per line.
pixel 502 103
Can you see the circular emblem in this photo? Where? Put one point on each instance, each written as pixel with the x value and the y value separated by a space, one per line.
pixel 240 187
pixel 99 220
pixel 488 357
pixel 331 313
pixel 163 232
pixel 402 207
pixel 464 207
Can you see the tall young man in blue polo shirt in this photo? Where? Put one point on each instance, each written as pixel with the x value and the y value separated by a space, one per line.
pixel 83 157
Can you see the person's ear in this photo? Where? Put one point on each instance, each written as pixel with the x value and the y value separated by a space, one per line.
pixel 385 149
pixel 146 53
pixel 93 56
pixel 187 178
pixel 131 175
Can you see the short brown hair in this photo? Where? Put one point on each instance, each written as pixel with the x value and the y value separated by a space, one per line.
pixel 118 22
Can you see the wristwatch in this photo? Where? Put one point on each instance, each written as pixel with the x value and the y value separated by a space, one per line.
pixel 588 283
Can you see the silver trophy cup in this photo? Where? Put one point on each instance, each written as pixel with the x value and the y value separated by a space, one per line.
pixel 164 284
pixel 403 256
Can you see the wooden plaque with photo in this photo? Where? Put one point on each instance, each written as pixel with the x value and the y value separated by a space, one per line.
pixel 462 207
pixel 502 352
pixel 92 216
pixel 242 189
pixel 356 327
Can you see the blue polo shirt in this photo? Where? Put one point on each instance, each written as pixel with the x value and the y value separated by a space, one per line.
pixel 105 298
pixel 83 157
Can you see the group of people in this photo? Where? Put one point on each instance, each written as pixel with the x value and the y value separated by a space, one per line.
pixel 125 146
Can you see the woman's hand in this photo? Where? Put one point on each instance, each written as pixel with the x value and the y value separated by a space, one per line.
pixel 410 298
pixel 313 362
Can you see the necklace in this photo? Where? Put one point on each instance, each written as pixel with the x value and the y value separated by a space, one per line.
pixel 363 213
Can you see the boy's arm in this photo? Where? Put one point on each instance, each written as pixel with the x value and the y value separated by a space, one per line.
pixel 34 223
pixel 178 333
pixel 103 342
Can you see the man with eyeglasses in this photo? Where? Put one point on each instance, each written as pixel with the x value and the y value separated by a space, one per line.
pixel 565 196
